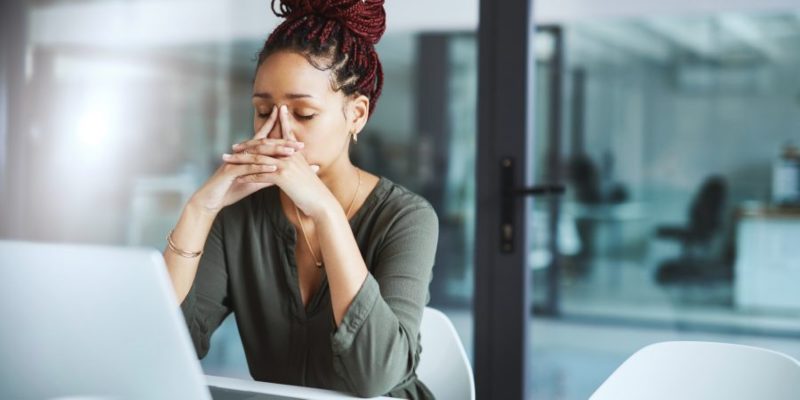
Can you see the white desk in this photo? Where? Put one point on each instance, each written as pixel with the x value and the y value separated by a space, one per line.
pixel 768 260
pixel 299 392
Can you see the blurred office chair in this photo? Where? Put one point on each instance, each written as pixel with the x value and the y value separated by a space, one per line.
pixel 703 371
pixel 696 263
pixel 443 366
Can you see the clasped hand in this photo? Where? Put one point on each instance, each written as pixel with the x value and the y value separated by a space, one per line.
pixel 262 162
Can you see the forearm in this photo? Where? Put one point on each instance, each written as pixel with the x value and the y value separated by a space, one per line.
pixel 344 264
pixel 190 234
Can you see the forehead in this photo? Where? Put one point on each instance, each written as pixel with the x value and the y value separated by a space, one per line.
pixel 288 72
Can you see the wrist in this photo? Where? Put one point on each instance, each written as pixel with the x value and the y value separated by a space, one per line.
pixel 326 211
pixel 199 211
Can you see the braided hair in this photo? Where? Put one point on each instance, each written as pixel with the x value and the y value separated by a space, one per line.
pixel 335 35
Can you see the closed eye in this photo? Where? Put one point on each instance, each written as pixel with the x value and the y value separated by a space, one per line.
pixel 306 117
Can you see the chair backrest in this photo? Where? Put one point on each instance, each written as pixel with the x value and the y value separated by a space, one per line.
pixel 703 371
pixel 443 366
pixel 707 209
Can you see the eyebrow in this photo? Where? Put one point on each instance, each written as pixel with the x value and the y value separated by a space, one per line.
pixel 292 96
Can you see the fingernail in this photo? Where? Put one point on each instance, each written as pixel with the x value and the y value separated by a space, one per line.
pixel 272 168
pixel 226 156
pixel 300 144
pixel 315 168
pixel 288 150
pixel 236 146
pixel 284 109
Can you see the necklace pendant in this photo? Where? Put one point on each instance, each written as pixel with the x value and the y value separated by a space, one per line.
pixel 319 265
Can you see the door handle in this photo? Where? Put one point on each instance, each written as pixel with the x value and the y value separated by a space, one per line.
pixel 510 193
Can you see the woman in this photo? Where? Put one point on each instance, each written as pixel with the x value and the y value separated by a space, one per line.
pixel 324 265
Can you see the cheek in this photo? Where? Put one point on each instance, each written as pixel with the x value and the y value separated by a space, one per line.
pixel 321 131
pixel 322 140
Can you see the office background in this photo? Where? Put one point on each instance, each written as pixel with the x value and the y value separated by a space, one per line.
pixel 675 131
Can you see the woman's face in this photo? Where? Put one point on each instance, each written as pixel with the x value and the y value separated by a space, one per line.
pixel 320 117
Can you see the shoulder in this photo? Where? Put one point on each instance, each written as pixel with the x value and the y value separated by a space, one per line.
pixel 400 206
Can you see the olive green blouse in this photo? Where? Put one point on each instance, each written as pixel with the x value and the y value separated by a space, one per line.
pixel 248 268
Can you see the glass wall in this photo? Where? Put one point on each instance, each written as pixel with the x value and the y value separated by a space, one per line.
pixel 126 118
pixel 674 133
pixel 678 145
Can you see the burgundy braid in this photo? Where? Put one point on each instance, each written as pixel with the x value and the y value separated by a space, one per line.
pixel 343 33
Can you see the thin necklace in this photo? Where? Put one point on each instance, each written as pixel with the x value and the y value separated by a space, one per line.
pixel 317 262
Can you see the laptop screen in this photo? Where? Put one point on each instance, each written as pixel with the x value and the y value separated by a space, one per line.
pixel 218 393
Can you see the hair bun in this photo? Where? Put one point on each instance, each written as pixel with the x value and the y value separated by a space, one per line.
pixel 365 18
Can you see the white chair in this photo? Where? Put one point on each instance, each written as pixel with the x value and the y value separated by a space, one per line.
pixel 443 366
pixel 703 371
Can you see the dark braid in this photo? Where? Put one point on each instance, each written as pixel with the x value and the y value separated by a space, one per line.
pixel 336 35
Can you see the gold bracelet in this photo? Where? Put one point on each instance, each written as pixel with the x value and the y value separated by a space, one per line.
pixel 176 250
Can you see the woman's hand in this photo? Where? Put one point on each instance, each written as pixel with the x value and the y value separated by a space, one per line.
pixel 293 175
pixel 224 188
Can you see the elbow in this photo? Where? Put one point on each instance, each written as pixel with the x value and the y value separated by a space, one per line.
pixel 379 381
pixel 369 389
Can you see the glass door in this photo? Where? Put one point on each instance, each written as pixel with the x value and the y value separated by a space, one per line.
pixel 674 135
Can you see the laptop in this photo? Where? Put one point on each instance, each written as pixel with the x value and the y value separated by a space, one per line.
pixel 94 322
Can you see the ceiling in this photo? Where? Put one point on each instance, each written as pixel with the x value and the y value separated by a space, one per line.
pixel 721 39
pixel 654 31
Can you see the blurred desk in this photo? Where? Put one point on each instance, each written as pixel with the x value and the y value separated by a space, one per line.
pixel 607 212
pixel 274 391
pixel 609 233
pixel 606 229
pixel 767 273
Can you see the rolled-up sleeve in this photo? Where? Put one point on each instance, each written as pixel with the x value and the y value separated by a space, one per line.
pixel 375 346
pixel 207 303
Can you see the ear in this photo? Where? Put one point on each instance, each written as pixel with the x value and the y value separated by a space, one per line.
pixel 359 113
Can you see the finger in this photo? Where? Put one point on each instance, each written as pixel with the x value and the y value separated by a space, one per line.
pixel 270 150
pixel 264 177
pixel 265 141
pixel 239 170
pixel 286 127
pixel 249 158
pixel 268 125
